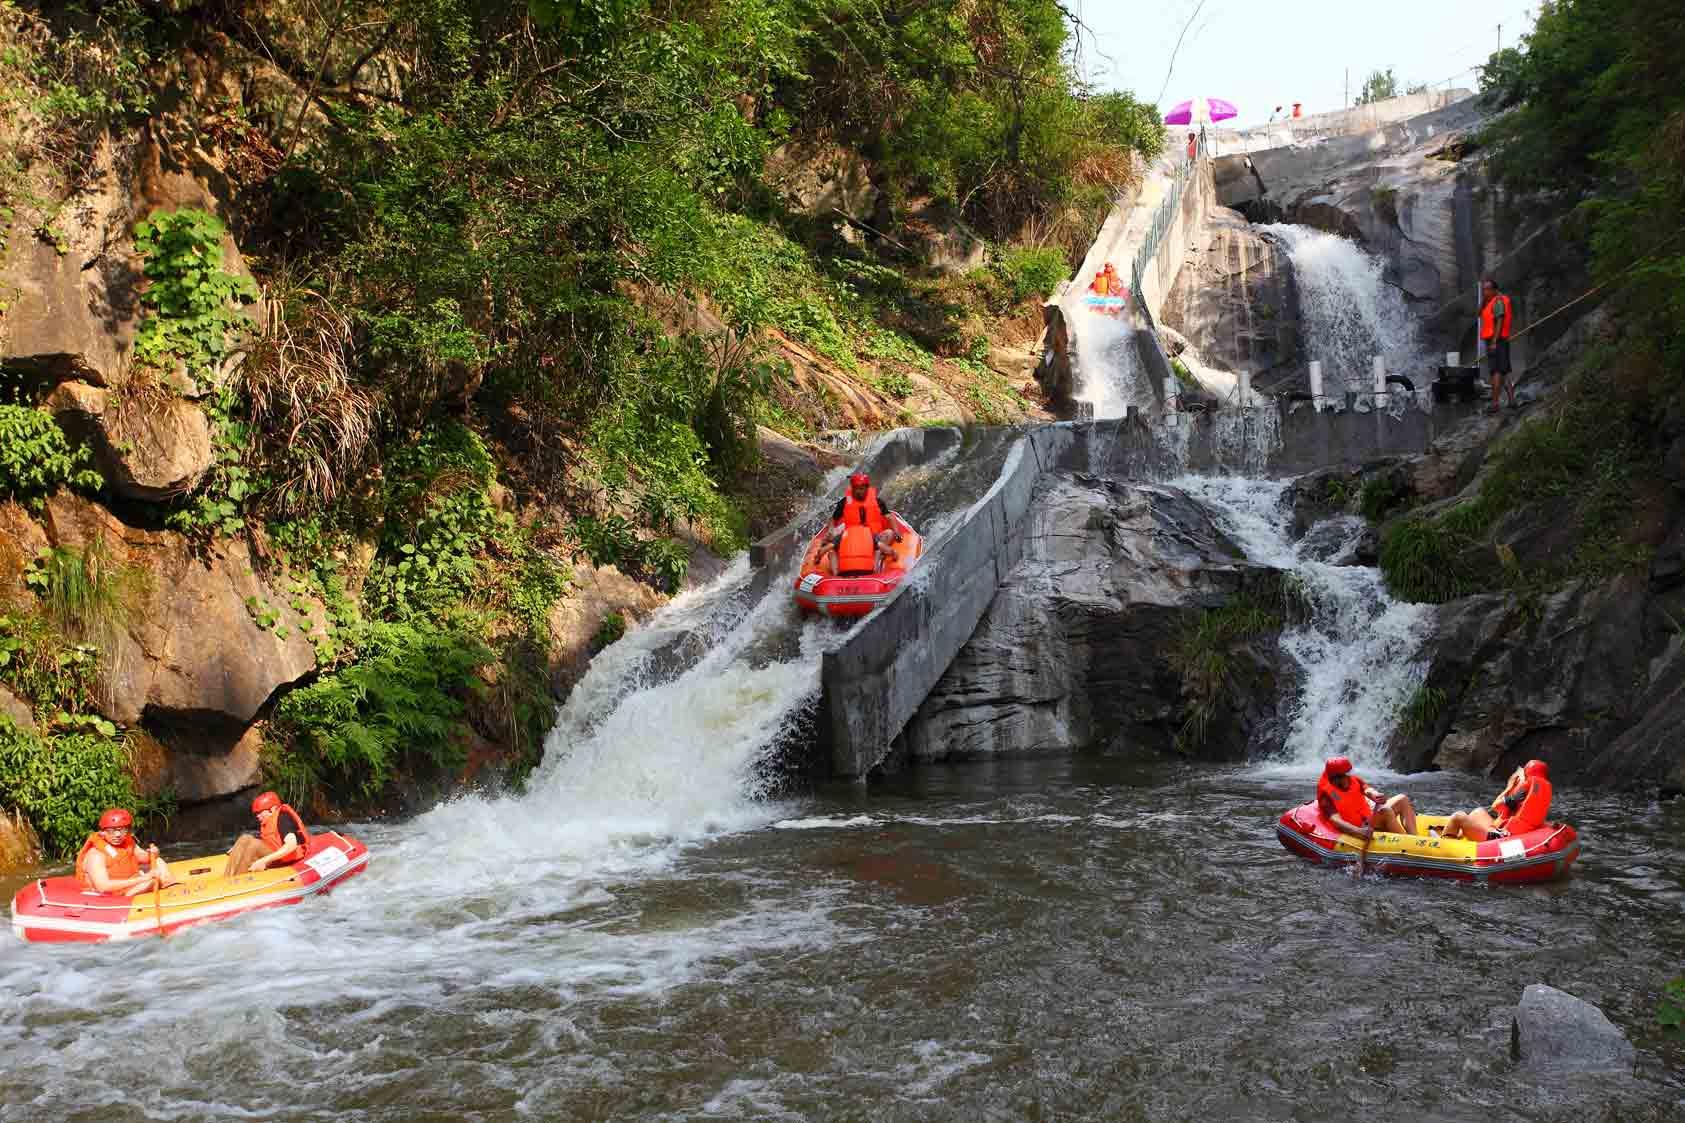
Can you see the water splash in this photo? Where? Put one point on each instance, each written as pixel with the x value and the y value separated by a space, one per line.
pixel 1357 649
pixel 1108 361
pixel 1348 313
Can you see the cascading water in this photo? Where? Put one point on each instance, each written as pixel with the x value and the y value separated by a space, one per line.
pixel 1356 648
pixel 1348 312
pixel 1112 378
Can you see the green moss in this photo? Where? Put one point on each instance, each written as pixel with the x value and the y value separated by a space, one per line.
pixel 1422 710
pixel 1204 652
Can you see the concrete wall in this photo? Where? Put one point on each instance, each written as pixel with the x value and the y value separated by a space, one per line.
pixel 1337 122
pixel 875 681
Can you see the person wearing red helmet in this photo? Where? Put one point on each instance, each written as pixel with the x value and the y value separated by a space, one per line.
pixel 1522 806
pixel 1357 809
pixel 110 860
pixel 860 552
pixel 271 847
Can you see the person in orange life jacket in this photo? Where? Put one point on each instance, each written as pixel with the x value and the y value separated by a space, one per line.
pixel 1106 282
pixel 1193 144
pixel 111 859
pixel 1496 319
pixel 1521 807
pixel 1357 809
pixel 270 847
pixel 860 507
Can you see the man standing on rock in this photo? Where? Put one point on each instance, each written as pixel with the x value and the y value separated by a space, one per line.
pixel 1496 316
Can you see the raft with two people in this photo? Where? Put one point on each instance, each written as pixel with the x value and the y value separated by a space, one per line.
pixel 291 864
pixel 1512 842
pixel 858 559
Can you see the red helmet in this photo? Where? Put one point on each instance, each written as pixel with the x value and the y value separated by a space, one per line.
pixel 1337 765
pixel 1536 770
pixel 265 801
pixel 116 817
pixel 860 479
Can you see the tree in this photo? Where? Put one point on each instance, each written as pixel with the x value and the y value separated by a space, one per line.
pixel 1380 86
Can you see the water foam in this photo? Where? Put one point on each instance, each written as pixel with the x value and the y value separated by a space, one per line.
pixel 1356 647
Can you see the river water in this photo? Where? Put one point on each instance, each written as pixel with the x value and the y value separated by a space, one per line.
pixel 649 934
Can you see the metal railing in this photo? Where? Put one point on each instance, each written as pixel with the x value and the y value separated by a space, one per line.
pixel 1163 219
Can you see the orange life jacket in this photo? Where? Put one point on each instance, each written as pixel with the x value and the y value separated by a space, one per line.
pixel 1350 804
pixel 1495 318
pixel 273 837
pixel 1530 816
pixel 1101 285
pixel 857 552
pixel 121 862
pixel 865 512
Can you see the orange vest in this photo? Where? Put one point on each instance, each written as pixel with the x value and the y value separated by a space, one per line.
pixel 1495 318
pixel 1350 804
pixel 272 836
pixel 857 552
pixel 1101 285
pixel 1531 815
pixel 864 512
pixel 121 862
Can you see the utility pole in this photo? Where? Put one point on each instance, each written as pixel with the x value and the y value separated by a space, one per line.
pixel 1500 38
pixel 1348 93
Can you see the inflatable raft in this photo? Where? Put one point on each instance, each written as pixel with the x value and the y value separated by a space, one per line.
pixel 855 594
pixel 1106 305
pixel 1541 855
pixel 59 910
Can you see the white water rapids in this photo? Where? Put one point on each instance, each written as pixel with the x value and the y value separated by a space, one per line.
pixel 1356 648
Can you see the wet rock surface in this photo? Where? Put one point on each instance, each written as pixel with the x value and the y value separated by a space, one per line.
pixel 1234 299
pixel 1553 1030
pixel 1075 649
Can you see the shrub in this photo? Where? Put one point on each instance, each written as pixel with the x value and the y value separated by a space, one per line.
pixel 400 706
pixel 1031 271
pixel 1203 650
pixel 36 457
pixel 63 783
pixel 609 631
pixel 191 298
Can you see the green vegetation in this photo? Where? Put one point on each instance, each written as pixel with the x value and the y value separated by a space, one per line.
pixel 62 783
pixel 1422 710
pixel 1204 651
pixel 609 631
pixel 1379 495
pixel 1671 1011
pixel 1588 454
pixel 36 458
pixel 1379 86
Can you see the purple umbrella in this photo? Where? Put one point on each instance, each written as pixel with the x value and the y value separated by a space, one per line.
pixel 1216 107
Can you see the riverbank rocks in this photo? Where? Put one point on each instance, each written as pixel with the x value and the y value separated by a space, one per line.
pixel 149 445
pixel 1554 1030
pixel 20 846
pixel 1076 648
pixel 191 663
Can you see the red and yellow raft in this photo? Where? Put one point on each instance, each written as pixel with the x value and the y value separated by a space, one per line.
pixel 855 594
pixel 59 910
pixel 1541 855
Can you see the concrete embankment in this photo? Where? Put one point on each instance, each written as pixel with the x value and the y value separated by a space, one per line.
pixel 875 681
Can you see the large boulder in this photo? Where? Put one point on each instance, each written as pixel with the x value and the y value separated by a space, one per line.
pixel 151 446
pixel 597 596
pixel 191 662
pixel 1075 650
pixel 1233 299
pixel 823 179
pixel 1554 1030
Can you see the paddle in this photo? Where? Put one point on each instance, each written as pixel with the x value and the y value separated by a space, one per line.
pixel 158 905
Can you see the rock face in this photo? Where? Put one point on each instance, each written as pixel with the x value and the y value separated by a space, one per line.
pixel 191 664
pixel 1075 650
pixel 820 179
pixel 150 448
pixel 1234 299
pixel 1556 1031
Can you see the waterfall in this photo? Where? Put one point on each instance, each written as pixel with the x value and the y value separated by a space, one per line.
pixel 1107 360
pixel 1356 648
pixel 1347 311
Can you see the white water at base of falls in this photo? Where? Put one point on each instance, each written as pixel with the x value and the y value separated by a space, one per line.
pixel 1357 649
pixel 1348 313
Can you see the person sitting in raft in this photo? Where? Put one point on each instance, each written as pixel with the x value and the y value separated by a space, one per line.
pixel 270 847
pixel 1357 809
pixel 110 860
pixel 1521 807
pixel 1101 285
pixel 847 553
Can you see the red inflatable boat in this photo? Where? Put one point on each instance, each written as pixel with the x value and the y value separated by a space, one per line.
pixel 1541 855
pixel 855 594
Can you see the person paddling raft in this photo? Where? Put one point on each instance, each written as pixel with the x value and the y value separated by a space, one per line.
pixel 1522 806
pixel 110 860
pixel 270 847
pixel 1357 809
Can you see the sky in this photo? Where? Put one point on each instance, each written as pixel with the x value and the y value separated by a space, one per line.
pixel 1264 53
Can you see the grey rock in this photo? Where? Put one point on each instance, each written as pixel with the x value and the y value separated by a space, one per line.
pixel 1233 299
pixel 1556 1031
pixel 1075 648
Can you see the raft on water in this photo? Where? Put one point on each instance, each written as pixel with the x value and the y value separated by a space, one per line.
pixel 1540 855
pixel 59 910
pixel 855 594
